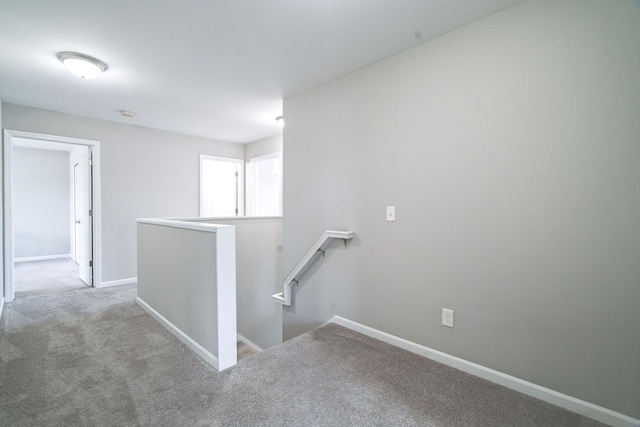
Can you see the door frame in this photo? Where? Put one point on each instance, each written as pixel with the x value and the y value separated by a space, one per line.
pixel 9 135
pixel 73 239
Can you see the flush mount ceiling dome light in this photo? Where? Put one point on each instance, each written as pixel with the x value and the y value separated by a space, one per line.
pixel 81 65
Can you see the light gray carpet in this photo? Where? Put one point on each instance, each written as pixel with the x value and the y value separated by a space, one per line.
pixel 94 358
pixel 245 351
pixel 49 276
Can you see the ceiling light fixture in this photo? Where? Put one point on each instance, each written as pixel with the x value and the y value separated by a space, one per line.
pixel 280 120
pixel 127 113
pixel 81 65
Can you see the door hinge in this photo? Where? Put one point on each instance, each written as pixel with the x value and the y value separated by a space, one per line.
pixel 236 211
pixel 91 263
pixel 90 212
pixel 90 162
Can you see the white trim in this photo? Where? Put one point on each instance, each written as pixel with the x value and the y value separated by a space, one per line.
pixel 9 135
pixel 41 258
pixel 119 282
pixel 224 218
pixel 8 218
pixel 570 403
pixel 194 346
pixel 249 343
pixel 1 305
pixel 226 299
pixel 72 207
pixel 189 225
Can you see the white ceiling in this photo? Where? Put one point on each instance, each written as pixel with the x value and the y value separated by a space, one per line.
pixel 213 68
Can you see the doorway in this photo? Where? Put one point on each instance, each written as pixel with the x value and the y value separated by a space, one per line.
pixel 82 212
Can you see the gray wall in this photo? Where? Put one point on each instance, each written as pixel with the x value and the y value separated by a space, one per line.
pixel 145 173
pixel 259 275
pixel 178 279
pixel 41 202
pixel 2 212
pixel 510 150
pixel 263 147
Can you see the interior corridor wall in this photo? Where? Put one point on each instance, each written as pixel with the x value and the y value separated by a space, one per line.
pixel 510 150
pixel 41 203
pixel 2 212
pixel 259 275
pixel 146 173
pixel 263 147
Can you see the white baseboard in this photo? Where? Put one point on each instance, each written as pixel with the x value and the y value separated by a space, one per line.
pixel 578 406
pixel 1 305
pixel 118 282
pixel 194 346
pixel 249 343
pixel 41 258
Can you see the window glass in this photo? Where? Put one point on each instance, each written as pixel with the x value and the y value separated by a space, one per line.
pixel 265 185
pixel 221 185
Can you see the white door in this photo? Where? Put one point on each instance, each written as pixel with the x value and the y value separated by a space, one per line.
pixel 83 218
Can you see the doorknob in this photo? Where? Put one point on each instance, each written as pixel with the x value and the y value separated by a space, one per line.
pixel 77 221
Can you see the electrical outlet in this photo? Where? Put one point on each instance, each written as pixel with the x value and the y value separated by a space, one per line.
pixel 447 317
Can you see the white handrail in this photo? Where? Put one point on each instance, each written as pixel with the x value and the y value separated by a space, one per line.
pixel 284 297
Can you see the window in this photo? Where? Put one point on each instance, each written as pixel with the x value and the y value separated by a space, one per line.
pixel 264 177
pixel 221 186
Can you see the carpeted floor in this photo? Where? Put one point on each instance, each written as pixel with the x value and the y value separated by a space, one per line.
pixel 49 276
pixel 94 358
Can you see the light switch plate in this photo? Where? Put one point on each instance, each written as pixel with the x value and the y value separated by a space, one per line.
pixel 391 213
